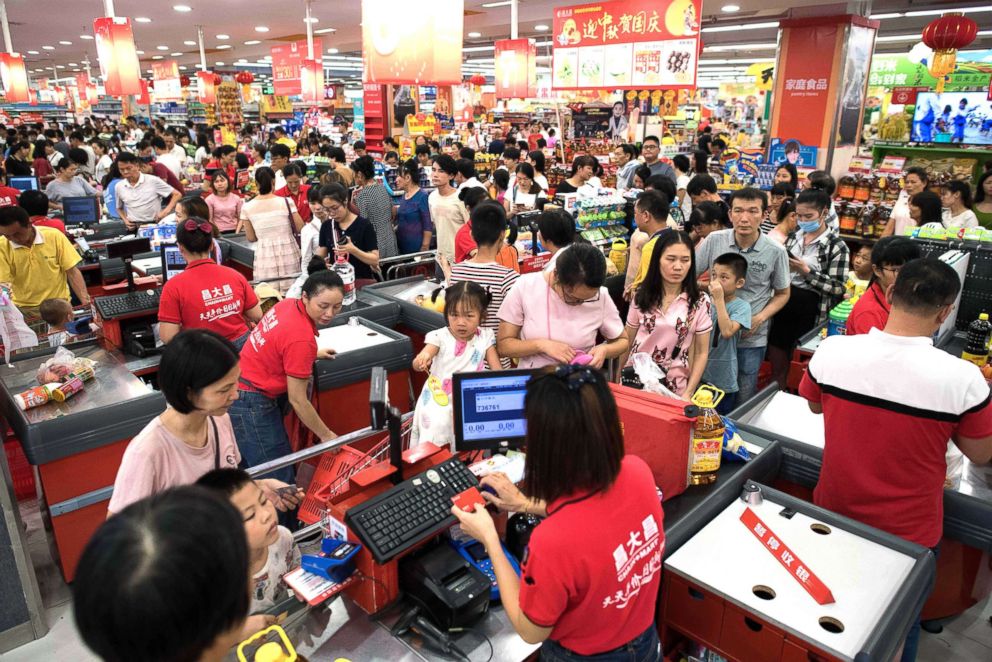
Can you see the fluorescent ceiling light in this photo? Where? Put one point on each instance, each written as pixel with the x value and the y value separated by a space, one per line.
pixel 182 8
pixel 86 36
pixel 218 64
pixel 252 42
pixel 325 30
pixel 541 27
pixel 746 26
pixel 332 51
pixel 32 52
pixel 189 43
pixel 478 49
pixel 488 5
pixel 143 19
pixel 140 52
pixel 261 28
pixel 73 64
pixel 162 48
pixel 157 57
pixel 898 37
pixel 48 48
pixel 741 47
pixel 938 12
pixel 474 35
pixel 66 43
pixel 879 17
pixel 221 47
pixel 730 9
pixel 176 54
pixel 182 67
pixel 222 37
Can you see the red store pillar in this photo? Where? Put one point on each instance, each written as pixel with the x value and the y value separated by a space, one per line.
pixel 821 80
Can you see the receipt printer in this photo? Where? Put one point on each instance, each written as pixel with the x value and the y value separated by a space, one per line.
pixel 452 591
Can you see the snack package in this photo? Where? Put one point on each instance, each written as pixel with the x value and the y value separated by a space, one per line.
pixel 733 445
pixel 62 363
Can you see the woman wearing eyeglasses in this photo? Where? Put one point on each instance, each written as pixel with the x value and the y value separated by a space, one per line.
pixel 580 596
pixel 555 316
pixel 355 235
pixel 205 295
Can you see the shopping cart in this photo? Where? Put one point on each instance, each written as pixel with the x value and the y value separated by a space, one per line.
pixel 334 471
pixel 405 266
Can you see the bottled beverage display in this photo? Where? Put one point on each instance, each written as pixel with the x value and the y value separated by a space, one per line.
pixel 344 269
pixel 707 437
pixel 976 349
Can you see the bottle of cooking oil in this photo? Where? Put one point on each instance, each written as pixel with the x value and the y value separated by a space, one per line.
pixel 977 348
pixel 707 437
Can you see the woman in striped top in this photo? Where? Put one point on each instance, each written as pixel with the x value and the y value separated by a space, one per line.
pixel 488 230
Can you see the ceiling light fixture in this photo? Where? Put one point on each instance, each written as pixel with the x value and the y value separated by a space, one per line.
pixel 143 19
pixel 66 43
pixel 938 12
pixel 252 42
pixel 730 9
pixel 879 17
pixel 541 27
pixel 158 57
pixel 218 64
pixel 474 35
pixel 222 37
pixel 162 48
pixel 140 52
pixel 86 36
pixel 261 28
pixel 32 52
pixel 332 51
pixel 182 8
pixel 48 48
pixel 488 5
pixel 223 46
pixel 745 26
pixel 325 30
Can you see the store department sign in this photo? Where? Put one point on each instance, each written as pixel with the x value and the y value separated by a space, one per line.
pixel 971 73
pixel 626 44
pixel 167 82
pixel 516 68
pixel 287 60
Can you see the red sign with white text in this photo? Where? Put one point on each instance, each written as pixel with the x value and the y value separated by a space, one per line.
pixel 118 60
pixel 373 99
pixel 286 62
pixel 906 95
pixel 803 83
pixel 516 68
pixel 627 44
pixel 799 570
pixel 168 85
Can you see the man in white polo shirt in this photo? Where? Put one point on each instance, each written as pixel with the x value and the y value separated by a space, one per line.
pixel 890 402
pixel 139 196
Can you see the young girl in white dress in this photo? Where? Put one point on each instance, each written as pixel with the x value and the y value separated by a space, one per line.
pixel 463 346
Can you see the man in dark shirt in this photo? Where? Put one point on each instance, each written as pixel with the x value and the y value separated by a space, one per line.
pixel 705 138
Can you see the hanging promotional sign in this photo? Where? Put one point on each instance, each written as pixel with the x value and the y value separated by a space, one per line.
pixel 312 80
pixel 119 65
pixel 144 97
pixel 407 43
pixel 167 82
pixel 358 114
pixel 626 44
pixel 804 83
pixel 207 90
pixel 14 76
pixel 516 68
pixel 287 60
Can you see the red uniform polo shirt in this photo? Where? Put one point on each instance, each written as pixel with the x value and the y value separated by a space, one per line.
pixel 302 204
pixel 9 196
pixel 46 222
pixel 282 345
pixel 871 311
pixel 597 590
pixel 208 296
pixel 890 404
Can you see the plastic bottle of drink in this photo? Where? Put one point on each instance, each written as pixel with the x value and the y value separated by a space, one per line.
pixel 707 437
pixel 347 273
pixel 977 348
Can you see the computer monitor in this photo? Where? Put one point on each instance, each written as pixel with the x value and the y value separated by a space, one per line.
pixel 23 183
pixel 173 262
pixel 83 210
pixel 128 248
pixel 489 409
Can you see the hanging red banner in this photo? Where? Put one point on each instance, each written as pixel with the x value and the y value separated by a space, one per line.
pixel 406 43
pixel 167 81
pixel 82 80
pixel 516 68
pixel 373 99
pixel 799 570
pixel 207 91
pixel 312 81
pixel 627 44
pixel 287 59
pixel 144 98
pixel 119 65
pixel 14 76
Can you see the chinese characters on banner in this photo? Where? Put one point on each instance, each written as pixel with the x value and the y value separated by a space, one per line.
pixel 287 59
pixel 626 45
pixel 406 43
pixel 207 90
pixel 803 85
pixel 906 95
pixel 165 73
pixel 373 100
pixel 15 77
pixel 516 68
pixel 119 66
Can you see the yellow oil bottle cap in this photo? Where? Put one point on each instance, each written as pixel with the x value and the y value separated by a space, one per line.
pixel 271 652
pixel 707 396
pixel 984 317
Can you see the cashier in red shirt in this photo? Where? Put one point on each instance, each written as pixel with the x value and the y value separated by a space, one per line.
pixel 592 570
pixel 206 295
pixel 296 190
pixel 276 364
pixel 872 309
pixel 890 401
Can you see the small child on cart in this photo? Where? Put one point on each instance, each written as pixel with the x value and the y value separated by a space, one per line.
pixel 462 346
pixel 731 316
pixel 272 552
pixel 57 313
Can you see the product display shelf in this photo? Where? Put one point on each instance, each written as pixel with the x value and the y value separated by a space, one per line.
pixel 976 291
pixel 879 152
pixel 108 107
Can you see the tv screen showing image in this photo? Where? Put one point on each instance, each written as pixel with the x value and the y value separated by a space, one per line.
pixel 963 118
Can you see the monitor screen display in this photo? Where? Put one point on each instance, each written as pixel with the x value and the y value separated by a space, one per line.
pixel 173 262
pixel 81 211
pixel 963 118
pixel 24 183
pixel 489 409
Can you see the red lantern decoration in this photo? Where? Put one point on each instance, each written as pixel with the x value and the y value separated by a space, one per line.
pixel 245 78
pixel 118 58
pixel 945 36
pixel 478 80
pixel 218 79
pixel 15 77
pixel 184 80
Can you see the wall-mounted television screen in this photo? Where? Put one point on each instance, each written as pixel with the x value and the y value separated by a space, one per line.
pixel 953 117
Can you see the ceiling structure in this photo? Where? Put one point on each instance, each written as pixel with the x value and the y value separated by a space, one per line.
pixel 55 36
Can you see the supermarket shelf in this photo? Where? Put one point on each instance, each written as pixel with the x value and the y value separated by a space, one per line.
pixel 858 238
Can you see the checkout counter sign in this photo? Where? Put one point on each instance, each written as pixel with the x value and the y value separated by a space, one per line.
pixel 799 570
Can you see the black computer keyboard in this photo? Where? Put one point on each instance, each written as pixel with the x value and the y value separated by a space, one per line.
pixel 129 303
pixel 414 510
